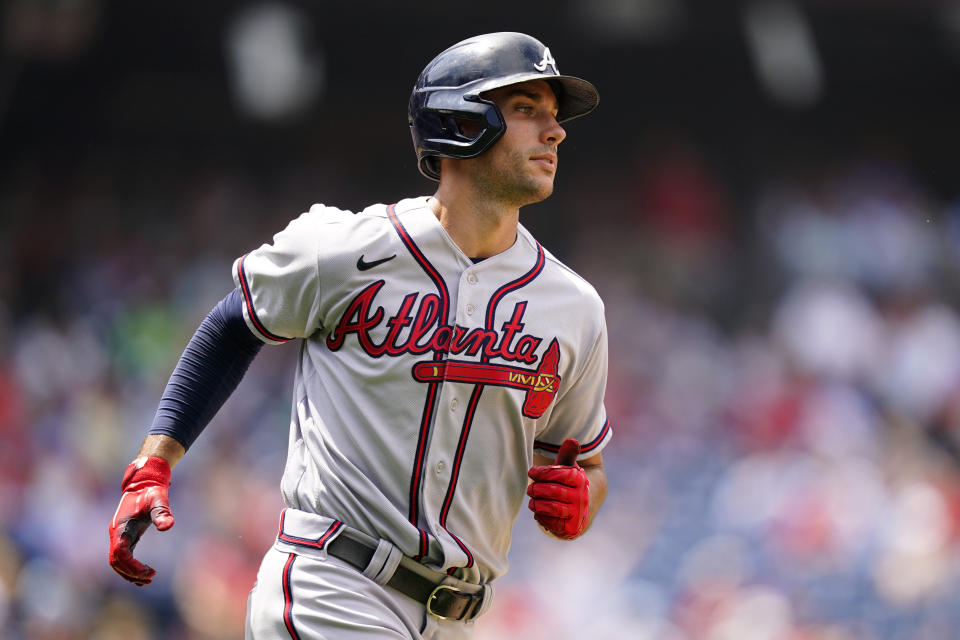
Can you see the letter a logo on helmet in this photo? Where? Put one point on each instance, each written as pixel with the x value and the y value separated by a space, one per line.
pixel 547 61
pixel 450 90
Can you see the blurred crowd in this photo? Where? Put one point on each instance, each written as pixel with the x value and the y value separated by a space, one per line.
pixel 784 388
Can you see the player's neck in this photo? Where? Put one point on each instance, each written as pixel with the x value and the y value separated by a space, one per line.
pixel 480 228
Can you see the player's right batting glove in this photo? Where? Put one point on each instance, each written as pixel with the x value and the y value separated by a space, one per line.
pixel 146 482
pixel 560 493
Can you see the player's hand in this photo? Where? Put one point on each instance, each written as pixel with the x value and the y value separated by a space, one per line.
pixel 560 493
pixel 146 482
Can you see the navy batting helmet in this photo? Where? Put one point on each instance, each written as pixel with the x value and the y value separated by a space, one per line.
pixel 449 89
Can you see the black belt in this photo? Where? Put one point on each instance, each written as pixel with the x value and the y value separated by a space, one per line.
pixel 443 601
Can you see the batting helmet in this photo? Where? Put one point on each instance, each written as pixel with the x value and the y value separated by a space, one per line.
pixel 450 87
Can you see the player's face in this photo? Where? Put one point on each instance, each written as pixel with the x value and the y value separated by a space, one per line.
pixel 521 166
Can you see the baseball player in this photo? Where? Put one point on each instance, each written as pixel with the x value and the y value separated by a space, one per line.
pixel 449 365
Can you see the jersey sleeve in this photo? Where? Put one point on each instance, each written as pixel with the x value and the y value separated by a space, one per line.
pixel 579 412
pixel 280 282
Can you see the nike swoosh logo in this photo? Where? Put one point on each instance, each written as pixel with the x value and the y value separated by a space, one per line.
pixel 362 265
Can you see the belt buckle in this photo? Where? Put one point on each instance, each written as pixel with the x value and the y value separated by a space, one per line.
pixel 434 595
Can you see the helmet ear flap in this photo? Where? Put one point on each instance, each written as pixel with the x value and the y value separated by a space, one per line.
pixel 459 128
pixel 466 131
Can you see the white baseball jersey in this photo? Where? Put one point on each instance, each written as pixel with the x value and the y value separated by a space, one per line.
pixel 425 381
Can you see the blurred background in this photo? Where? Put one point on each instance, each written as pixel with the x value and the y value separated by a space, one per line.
pixel 768 199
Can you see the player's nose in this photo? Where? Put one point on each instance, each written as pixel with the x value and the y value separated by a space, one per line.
pixel 553 134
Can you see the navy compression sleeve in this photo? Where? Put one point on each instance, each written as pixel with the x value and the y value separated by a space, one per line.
pixel 211 367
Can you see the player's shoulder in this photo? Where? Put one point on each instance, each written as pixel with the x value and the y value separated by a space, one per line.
pixel 370 215
pixel 332 216
pixel 556 271
pixel 401 208
pixel 337 231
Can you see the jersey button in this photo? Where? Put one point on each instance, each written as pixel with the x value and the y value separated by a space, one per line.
pixel 472 279
pixel 468 309
pixel 453 404
pixel 440 467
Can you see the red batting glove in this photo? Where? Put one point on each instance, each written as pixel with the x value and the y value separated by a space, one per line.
pixel 144 500
pixel 560 493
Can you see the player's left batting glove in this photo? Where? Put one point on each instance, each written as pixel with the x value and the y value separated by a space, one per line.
pixel 560 493
pixel 145 485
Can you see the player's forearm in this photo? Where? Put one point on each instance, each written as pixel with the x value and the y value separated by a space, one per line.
pixel 160 446
pixel 211 367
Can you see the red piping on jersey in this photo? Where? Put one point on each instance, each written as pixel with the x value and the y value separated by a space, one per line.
pixel 584 448
pixel 461 446
pixel 319 543
pixel 288 597
pixel 430 402
pixel 495 299
pixel 522 281
pixel 422 261
pixel 248 298
pixel 428 408
pixel 455 472
pixel 463 547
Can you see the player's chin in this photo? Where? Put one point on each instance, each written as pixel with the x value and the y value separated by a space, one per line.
pixel 532 188
pixel 534 195
pixel 544 188
pixel 541 182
